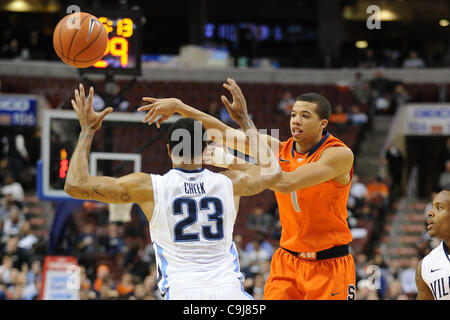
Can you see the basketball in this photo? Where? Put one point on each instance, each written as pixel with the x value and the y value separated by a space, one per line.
pixel 80 40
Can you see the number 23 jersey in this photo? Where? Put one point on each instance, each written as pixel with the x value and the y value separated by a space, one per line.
pixel 192 229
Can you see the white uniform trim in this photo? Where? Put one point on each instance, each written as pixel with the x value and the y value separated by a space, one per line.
pixel 436 272
pixel 191 231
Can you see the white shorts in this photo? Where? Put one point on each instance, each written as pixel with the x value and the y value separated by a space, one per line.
pixel 223 292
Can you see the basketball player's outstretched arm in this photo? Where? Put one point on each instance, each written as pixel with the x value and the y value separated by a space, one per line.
pixel 217 130
pixel 423 291
pixel 267 171
pixel 135 187
pixel 334 162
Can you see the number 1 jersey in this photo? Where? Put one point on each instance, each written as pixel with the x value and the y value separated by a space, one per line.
pixel 192 229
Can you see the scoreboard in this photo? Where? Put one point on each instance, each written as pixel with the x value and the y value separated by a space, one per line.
pixel 123 52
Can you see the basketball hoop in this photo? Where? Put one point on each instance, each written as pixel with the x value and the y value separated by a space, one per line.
pixel 120 212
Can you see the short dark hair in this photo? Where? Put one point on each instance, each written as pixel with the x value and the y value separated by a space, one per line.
pixel 189 126
pixel 323 107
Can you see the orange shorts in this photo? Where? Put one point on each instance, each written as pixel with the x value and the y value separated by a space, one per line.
pixel 295 278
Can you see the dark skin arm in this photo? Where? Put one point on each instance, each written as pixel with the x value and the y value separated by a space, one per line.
pixel 424 292
pixel 135 187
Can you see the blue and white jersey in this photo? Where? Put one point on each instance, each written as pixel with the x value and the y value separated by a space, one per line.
pixel 436 272
pixel 192 230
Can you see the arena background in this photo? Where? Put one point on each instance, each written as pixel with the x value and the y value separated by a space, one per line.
pixel 382 64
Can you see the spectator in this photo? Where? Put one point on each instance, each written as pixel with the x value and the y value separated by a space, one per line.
pixel 377 191
pixel 125 287
pixel 257 255
pixel 395 163
pixel 35 272
pixel 399 98
pixel 358 118
pixel 87 247
pixel 444 177
pixel 413 61
pixel 102 277
pixel 394 290
pixel 12 224
pixel 112 243
pixel 27 239
pixel 339 118
pixel 286 103
pixel 5 269
pixel 368 60
pixel 107 291
pixel 13 188
pixel 18 255
pixel 391 58
pixel 358 191
pixel 259 220
pixel 11 50
pixel 34 51
pixel 265 244
pixel 258 287
pixel 363 94
pixel 408 276
pixel 139 292
pixel 394 270
pixel 380 84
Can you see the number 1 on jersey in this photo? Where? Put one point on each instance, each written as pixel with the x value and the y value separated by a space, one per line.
pixel 295 201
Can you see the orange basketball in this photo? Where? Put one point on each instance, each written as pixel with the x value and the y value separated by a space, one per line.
pixel 80 39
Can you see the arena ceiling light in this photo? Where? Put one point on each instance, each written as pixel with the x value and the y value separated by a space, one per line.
pixel 361 44
pixel 30 5
pixel 444 22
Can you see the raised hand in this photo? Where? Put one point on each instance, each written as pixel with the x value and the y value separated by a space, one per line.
pixel 159 107
pixel 238 108
pixel 89 119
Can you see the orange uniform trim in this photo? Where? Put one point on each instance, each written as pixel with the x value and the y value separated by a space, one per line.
pixel 314 218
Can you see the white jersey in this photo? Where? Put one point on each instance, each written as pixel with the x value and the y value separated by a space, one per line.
pixel 192 229
pixel 436 272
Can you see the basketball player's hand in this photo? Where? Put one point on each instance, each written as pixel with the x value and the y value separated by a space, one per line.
pixel 159 107
pixel 216 154
pixel 89 119
pixel 238 108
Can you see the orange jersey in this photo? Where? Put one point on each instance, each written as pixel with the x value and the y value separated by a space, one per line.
pixel 313 218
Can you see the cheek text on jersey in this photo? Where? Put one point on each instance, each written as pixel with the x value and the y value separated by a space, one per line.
pixel 439 288
pixel 194 188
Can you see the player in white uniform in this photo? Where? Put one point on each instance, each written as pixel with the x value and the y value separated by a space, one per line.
pixel 433 272
pixel 191 210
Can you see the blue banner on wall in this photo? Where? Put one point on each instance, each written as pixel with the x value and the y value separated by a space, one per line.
pixel 18 111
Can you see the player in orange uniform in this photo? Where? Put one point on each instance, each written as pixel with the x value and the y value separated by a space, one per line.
pixel 313 261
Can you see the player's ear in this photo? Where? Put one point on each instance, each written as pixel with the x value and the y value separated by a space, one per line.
pixel 168 151
pixel 324 123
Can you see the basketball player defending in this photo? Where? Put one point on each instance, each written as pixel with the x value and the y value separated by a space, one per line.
pixel 191 210
pixel 313 261
pixel 433 272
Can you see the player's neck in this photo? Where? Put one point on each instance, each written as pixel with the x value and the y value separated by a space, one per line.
pixel 304 146
pixel 188 167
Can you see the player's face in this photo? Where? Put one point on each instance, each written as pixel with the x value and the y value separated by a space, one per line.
pixel 438 222
pixel 305 122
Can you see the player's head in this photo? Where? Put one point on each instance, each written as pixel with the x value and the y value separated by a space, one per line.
pixel 309 116
pixel 186 141
pixel 439 216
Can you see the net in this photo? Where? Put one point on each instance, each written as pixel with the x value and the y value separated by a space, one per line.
pixel 120 212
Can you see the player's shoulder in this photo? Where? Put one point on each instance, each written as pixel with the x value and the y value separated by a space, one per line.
pixel 338 152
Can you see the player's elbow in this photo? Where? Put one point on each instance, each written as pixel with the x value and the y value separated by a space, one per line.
pixel 72 190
